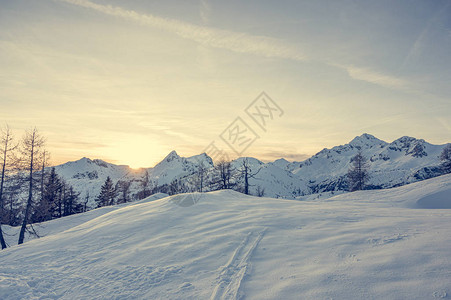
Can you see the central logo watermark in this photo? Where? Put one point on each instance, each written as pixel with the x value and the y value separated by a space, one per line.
pixel 239 135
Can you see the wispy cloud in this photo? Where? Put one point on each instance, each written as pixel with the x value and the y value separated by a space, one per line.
pixel 235 41
pixel 375 77
pixel 205 11
pixel 213 37
pixel 435 23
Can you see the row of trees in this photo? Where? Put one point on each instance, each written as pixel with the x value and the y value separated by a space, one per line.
pixel 28 193
pixel 222 176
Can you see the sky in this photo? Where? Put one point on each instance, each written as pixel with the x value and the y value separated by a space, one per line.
pixel 129 81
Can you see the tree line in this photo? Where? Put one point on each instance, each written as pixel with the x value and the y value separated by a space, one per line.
pixel 223 175
pixel 29 193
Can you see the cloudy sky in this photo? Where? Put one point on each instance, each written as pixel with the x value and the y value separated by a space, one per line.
pixel 129 81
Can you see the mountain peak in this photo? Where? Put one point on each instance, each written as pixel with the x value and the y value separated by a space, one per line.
pixel 202 158
pixel 171 156
pixel 366 139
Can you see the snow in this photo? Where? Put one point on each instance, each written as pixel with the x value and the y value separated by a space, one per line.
pixel 391 164
pixel 377 244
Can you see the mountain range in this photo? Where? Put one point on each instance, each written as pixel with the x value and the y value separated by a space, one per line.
pixel 400 162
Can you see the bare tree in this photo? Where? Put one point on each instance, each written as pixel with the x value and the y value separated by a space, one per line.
pixel 199 177
pixel 31 154
pixel 260 191
pixel 445 157
pixel 246 173
pixel 358 173
pixel 85 203
pixel 7 147
pixel 176 186
pixel 42 210
pixel 146 187
pixel 223 175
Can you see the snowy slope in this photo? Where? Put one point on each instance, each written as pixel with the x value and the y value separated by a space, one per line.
pixel 224 245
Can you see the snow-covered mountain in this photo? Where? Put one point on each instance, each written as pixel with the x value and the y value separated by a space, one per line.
pixel 393 164
pixel 379 244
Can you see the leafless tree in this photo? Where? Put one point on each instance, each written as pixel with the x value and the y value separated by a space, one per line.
pixel 31 151
pixel 146 187
pixel 199 178
pixel 260 191
pixel 223 175
pixel 7 146
pixel 358 173
pixel 85 203
pixel 245 173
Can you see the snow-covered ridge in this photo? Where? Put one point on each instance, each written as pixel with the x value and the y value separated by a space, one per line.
pixel 403 161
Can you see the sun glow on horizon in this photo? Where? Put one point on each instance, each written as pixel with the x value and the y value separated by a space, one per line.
pixel 135 151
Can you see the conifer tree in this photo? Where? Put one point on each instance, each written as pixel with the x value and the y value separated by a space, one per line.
pixel 107 194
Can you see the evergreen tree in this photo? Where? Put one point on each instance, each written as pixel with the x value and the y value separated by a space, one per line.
pixel 123 189
pixel 47 207
pixel 71 201
pixel 107 194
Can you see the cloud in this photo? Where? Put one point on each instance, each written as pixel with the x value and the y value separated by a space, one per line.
pixel 375 77
pixel 205 11
pixel 434 24
pixel 235 41
pixel 273 155
pixel 213 37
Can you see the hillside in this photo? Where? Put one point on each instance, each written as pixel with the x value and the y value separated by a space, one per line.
pixel 381 244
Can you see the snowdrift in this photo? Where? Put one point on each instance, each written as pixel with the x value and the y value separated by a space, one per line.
pixel 225 245
pixel 440 200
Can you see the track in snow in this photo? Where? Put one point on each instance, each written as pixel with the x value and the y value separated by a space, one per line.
pixel 232 274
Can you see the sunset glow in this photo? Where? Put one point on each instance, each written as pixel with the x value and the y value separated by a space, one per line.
pixel 129 81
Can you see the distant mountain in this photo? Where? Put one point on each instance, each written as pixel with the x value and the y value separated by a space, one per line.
pixel 393 164
pixel 403 161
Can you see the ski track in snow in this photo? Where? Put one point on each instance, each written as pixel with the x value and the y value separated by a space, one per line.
pixel 238 266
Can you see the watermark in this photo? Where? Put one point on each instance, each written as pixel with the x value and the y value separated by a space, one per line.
pixel 263 110
pixel 215 153
pixel 239 135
